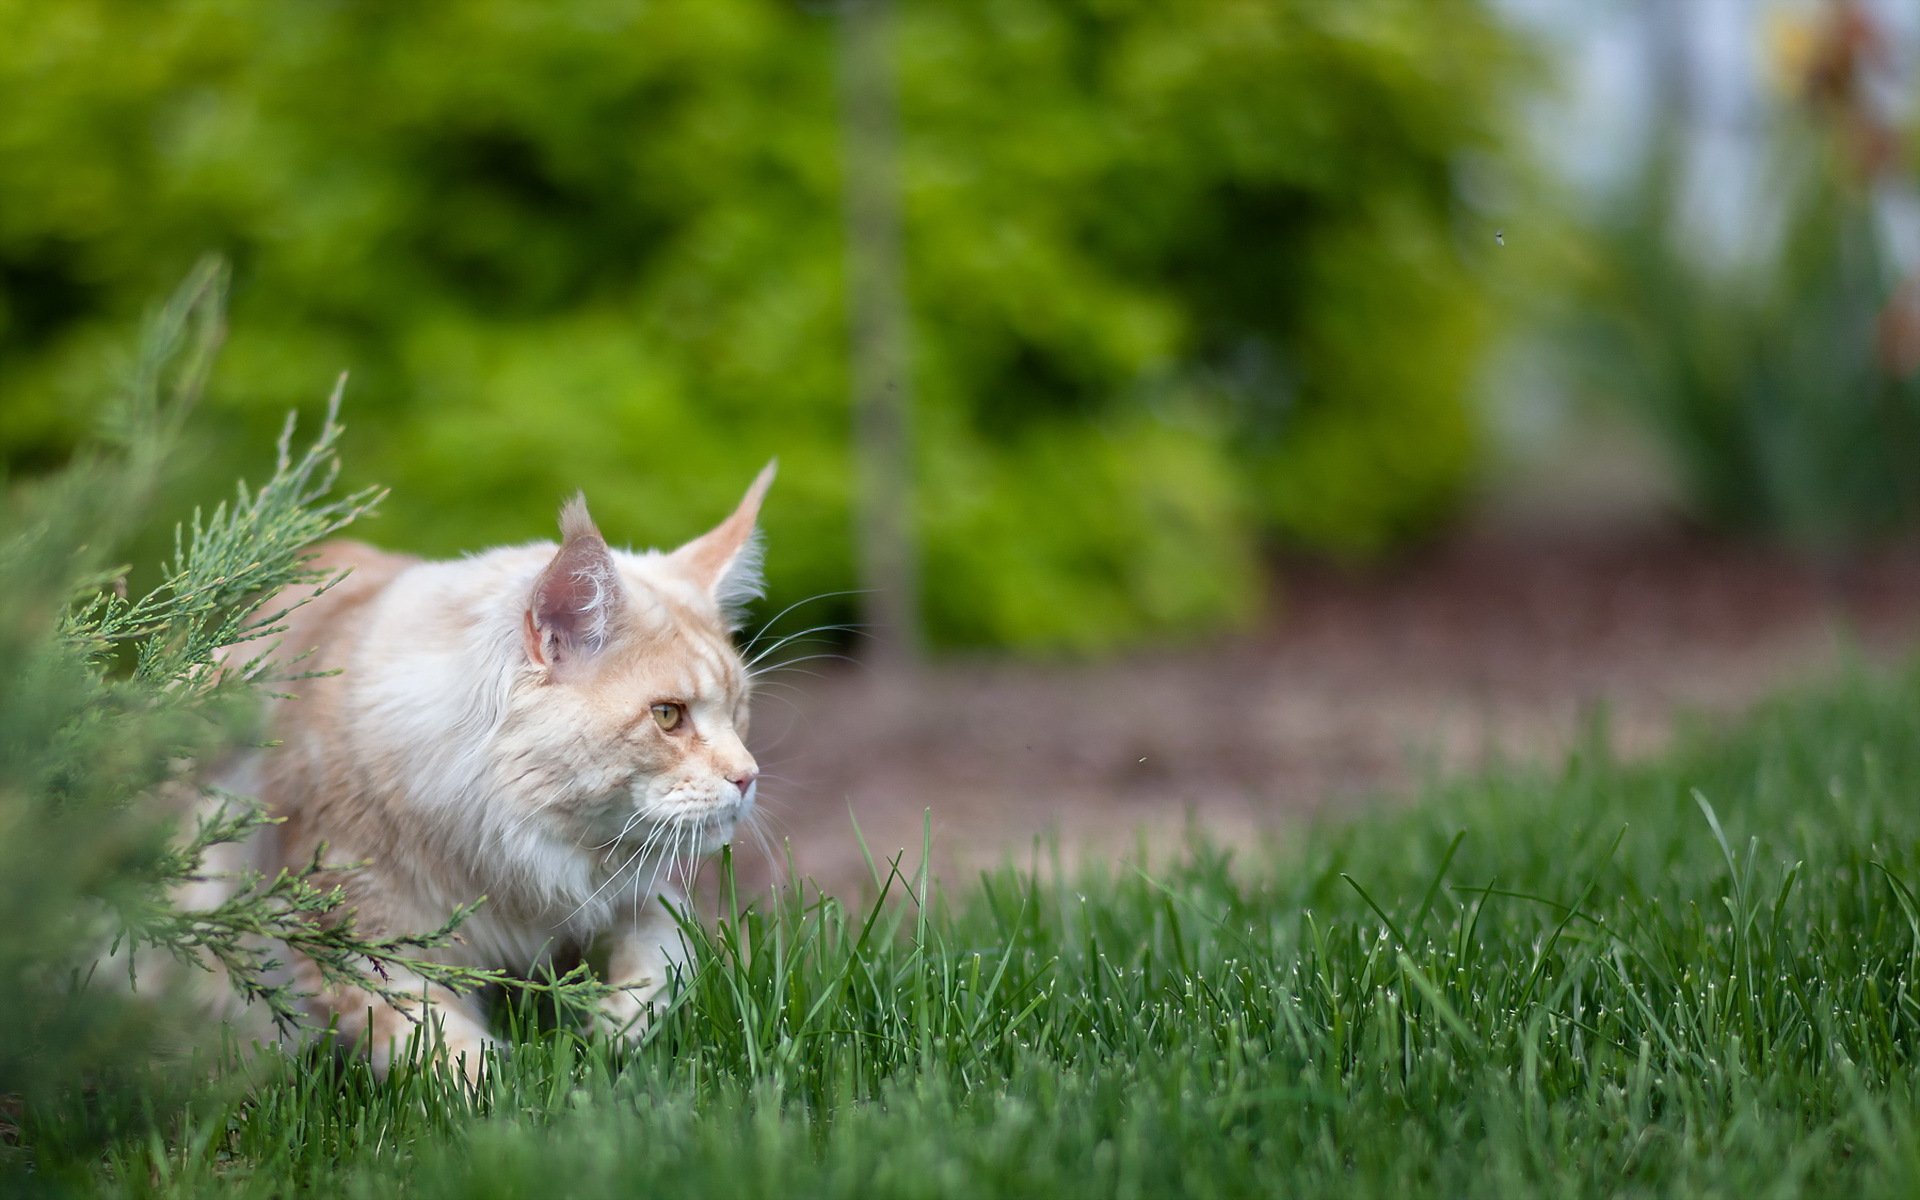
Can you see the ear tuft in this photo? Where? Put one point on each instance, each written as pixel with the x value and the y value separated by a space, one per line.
pixel 575 520
pixel 576 596
pixel 726 560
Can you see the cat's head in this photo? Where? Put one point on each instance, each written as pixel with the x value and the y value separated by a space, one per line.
pixel 633 709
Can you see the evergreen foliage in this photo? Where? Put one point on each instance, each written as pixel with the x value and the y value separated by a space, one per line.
pixel 120 702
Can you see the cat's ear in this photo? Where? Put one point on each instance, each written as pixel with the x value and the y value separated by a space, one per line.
pixel 576 597
pixel 725 561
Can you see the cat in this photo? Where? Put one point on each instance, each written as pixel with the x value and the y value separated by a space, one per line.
pixel 549 727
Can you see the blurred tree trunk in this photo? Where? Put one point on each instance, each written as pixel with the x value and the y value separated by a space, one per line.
pixel 877 312
pixel 1669 32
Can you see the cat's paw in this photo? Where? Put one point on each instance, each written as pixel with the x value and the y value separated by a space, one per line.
pixel 469 1057
pixel 629 1012
pixel 459 1047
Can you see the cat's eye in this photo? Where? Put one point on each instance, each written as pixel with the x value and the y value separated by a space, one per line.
pixel 669 716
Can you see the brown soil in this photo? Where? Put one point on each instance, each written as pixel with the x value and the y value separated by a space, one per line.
pixel 1496 647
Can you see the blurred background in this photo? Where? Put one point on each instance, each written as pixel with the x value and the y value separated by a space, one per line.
pixel 1216 409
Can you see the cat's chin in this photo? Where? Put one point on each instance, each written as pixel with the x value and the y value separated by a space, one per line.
pixel 691 836
pixel 716 836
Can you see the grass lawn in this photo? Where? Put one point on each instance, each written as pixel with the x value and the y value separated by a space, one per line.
pixel 1692 977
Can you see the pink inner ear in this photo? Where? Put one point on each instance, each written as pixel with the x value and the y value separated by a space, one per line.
pixel 575 598
pixel 531 639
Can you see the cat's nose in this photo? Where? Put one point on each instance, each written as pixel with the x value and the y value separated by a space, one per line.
pixel 744 781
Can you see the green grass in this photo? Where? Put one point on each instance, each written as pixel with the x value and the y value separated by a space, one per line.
pixel 1691 977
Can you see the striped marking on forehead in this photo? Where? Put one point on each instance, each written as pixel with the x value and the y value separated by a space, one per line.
pixel 702 656
pixel 710 668
pixel 691 666
pixel 680 636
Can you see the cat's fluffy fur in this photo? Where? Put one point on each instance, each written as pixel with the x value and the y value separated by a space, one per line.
pixel 491 731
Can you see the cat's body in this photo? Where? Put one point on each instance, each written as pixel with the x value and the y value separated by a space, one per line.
pixel 545 726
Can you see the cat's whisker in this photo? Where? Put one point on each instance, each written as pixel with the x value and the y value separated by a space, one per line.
pixel 772 807
pixel 755 670
pixel 690 865
pixel 817 634
pixel 676 861
pixel 642 895
pixel 767 627
pixel 633 908
pixel 666 858
pixel 794 668
pixel 582 906
pixel 774 688
pixel 772 804
pixel 633 820
pixel 791 702
pixel 854 629
pixel 611 877
pixel 632 862
pixel 773 745
pixel 638 897
pixel 811 656
pixel 789 694
pixel 684 866
pixel 753 825
pixel 797 671
pixel 581 841
pixel 789 697
pixel 755 666
pixel 656 843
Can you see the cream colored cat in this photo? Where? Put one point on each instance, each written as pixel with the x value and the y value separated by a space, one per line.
pixel 544 726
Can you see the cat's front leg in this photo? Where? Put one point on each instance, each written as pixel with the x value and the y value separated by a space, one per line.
pixel 444 1021
pixel 643 960
pixel 422 1015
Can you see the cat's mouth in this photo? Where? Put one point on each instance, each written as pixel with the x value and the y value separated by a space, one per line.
pixel 684 823
pixel 692 828
pixel 691 834
pixel 703 811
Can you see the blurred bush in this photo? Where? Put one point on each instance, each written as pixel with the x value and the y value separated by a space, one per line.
pixel 1183 277
pixel 1785 384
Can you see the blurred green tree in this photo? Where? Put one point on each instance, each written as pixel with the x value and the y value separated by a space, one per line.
pixel 1183 278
